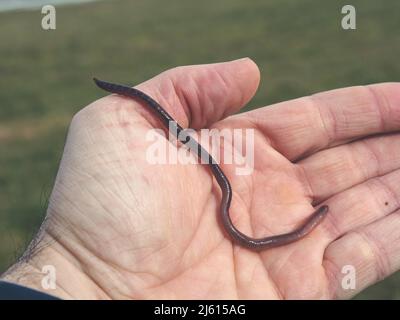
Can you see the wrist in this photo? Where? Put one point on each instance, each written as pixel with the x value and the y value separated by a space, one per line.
pixel 50 268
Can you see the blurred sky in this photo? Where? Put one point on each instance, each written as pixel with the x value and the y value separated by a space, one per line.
pixel 30 4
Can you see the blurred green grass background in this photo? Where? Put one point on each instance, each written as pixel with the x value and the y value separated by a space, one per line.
pixel 45 76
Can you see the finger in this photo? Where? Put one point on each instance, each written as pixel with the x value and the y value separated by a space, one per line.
pixel 372 252
pixel 333 170
pixel 197 96
pixel 300 127
pixel 360 206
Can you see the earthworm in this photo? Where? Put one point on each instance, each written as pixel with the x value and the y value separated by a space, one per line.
pixel 174 128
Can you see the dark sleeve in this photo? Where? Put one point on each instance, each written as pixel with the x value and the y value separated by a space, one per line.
pixel 11 291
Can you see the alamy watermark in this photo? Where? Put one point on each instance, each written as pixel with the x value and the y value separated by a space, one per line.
pixel 349 18
pixel 349 278
pixel 227 146
pixel 49 279
pixel 49 18
pixel 348 21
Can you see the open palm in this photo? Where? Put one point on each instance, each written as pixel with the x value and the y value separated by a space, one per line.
pixel 134 229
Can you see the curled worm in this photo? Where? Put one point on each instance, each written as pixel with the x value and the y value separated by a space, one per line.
pixel 174 128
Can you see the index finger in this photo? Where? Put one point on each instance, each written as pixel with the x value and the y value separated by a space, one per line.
pixel 303 126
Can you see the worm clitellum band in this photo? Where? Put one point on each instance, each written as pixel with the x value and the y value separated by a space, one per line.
pixel 174 128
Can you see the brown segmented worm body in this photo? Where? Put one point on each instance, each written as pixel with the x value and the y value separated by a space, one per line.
pixel 174 128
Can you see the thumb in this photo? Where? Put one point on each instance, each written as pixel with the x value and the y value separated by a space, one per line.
pixel 197 96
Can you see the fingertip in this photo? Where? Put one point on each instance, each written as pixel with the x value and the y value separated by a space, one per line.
pixel 249 75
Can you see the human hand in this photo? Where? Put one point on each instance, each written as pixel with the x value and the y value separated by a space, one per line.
pixel 120 227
